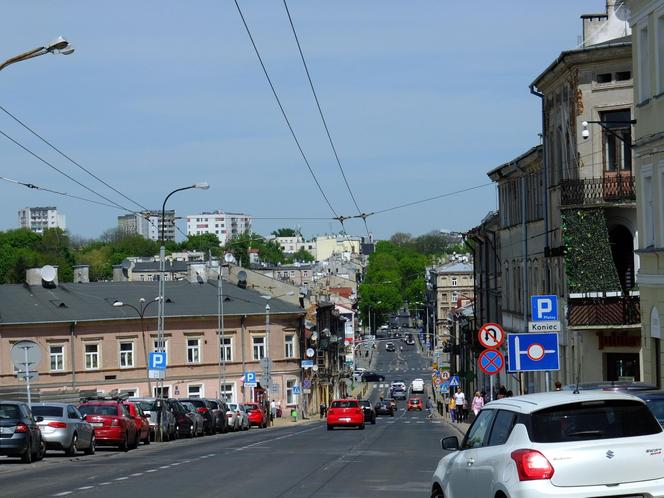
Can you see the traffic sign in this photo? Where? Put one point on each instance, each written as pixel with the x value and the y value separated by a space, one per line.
pixel 454 382
pixel 445 374
pixel 296 389
pixel 444 386
pixel 156 374
pixel 491 361
pixel 548 326
pixel 250 379
pixel 306 383
pixel 307 363
pixel 157 361
pixel 25 352
pixel 532 352
pixel 491 335
pixel 544 308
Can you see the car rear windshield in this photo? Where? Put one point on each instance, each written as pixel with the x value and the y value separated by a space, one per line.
pixel 214 405
pixel 147 406
pixel 47 411
pixel 98 409
pixel 657 408
pixel 9 412
pixel 365 403
pixel 602 419
pixel 345 404
pixel 197 403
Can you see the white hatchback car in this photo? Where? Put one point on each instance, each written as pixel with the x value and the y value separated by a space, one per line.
pixel 560 444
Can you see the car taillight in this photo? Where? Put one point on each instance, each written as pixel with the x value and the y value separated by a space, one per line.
pixel 58 425
pixel 201 409
pixel 532 465
pixel 115 422
pixel 229 415
pixel 21 428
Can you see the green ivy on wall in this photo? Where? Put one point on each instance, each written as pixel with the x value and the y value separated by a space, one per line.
pixel 588 262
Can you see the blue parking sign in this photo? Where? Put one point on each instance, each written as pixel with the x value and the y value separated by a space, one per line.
pixel 157 361
pixel 544 308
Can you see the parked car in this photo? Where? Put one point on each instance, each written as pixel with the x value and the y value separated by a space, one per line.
pixel 369 412
pixel 111 421
pixel 384 407
pixel 64 428
pixel 417 386
pixel 345 413
pixel 372 377
pixel 611 385
pixel 257 414
pixel 197 422
pixel 414 404
pixel 232 418
pixel 162 419
pixel 19 433
pixel 241 416
pixel 205 409
pixel 655 402
pixel 398 393
pixel 184 425
pixel 140 421
pixel 219 410
pixel 556 444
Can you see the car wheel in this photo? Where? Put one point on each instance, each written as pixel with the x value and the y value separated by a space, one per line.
pixel 27 456
pixel 392 414
pixel 329 427
pixel 147 439
pixel 436 492
pixel 134 445
pixel 124 445
pixel 373 421
pixel 41 451
pixel 90 450
pixel 72 450
pixel 361 427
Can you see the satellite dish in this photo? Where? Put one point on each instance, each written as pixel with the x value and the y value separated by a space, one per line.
pixel 229 258
pixel 48 273
pixel 315 368
pixel 621 10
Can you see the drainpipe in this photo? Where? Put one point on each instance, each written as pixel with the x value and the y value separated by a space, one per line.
pixel 72 350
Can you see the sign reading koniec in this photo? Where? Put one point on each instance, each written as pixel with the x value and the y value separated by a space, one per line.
pixel 548 326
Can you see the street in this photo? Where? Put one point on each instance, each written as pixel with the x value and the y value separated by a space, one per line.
pixel 396 457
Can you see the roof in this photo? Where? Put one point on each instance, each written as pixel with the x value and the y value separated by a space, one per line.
pixel 455 267
pixel 152 266
pixel 66 303
pixel 532 150
pixel 534 402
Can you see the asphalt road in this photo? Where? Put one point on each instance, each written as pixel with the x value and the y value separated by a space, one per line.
pixel 394 458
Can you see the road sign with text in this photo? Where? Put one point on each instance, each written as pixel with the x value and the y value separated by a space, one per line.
pixel 544 308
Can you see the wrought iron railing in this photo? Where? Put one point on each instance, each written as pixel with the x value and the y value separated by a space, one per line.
pixel 617 310
pixel 591 191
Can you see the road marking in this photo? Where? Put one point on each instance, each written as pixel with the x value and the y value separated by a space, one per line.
pixel 151 470
pixel 164 466
pixel 137 474
pixel 121 478
pixel 85 487
pixel 64 493
pixel 104 483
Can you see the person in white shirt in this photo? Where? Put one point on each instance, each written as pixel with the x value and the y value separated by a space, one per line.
pixel 460 400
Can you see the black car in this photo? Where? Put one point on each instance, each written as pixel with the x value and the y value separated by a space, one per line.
pixel 184 426
pixel 19 433
pixel 369 412
pixel 219 409
pixel 372 377
pixel 655 401
pixel 205 409
pixel 384 407
pixel 390 347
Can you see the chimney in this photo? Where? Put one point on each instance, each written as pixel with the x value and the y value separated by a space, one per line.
pixel 197 273
pixel 33 276
pixel 119 274
pixel 46 276
pixel 82 274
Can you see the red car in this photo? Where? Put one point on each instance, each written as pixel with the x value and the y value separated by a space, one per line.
pixel 414 404
pixel 140 420
pixel 112 423
pixel 257 415
pixel 345 413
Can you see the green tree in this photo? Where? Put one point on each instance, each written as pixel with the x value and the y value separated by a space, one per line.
pixel 205 242
pixel 285 232
pixel 303 256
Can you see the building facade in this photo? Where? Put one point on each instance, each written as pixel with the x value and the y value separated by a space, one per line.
pixel 453 287
pixel 647 23
pixel 38 219
pixel 148 224
pixel 224 225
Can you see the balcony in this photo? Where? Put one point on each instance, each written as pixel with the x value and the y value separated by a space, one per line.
pixel 597 191
pixel 604 310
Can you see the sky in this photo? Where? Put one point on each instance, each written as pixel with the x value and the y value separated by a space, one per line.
pixel 421 97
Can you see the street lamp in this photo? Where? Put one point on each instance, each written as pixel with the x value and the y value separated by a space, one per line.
pixel 143 306
pixel 59 46
pixel 162 268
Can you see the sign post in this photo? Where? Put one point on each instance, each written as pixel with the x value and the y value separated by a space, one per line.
pixel 26 354
pixel 544 309
pixel 491 361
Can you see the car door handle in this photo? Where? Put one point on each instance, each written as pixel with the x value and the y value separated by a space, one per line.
pixel 470 462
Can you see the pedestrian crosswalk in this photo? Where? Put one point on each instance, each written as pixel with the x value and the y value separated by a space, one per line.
pixel 402 421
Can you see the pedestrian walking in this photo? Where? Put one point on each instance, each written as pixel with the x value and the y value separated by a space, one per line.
pixel 273 410
pixel 478 403
pixel 429 408
pixel 460 402
pixel 451 407
pixel 323 409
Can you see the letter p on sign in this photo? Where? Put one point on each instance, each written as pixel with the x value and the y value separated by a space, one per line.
pixel 544 308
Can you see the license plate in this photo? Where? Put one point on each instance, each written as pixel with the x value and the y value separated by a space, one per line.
pixel 345 419
pixel 6 430
pixel 97 424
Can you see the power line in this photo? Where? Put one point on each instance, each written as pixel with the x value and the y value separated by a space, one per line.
pixel 69 158
pixel 322 116
pixel 283 112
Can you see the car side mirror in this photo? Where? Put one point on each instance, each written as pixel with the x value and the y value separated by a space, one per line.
pixel 450 443
pixel 84 417
pixel 39 419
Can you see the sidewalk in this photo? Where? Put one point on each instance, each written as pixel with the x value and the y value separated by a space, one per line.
pixel 288 421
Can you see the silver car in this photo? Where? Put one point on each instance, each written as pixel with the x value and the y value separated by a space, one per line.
pixel 64 428
pixel 241 416
pixel 162 420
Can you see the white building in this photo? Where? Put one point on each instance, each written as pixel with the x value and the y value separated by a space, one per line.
pixel 37 219
pixel 147 224
pixel 224 225
pixel 291 245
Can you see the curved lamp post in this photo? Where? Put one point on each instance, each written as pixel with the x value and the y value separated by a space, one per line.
pixel 57 46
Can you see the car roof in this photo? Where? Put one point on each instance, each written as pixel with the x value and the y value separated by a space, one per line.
pixel 646 395
pixel 59 405
pixel 101 402
pixel 534 402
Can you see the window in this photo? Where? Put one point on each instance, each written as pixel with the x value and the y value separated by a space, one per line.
pixel 126 354
pixel 193 350
pixel 604 78
pixel 195 391
pixel 479 430
pixel 644 65
pixel 259 347
pixel 454 281
pixel 289 342
pixel 502 428
pixel 290 397
pixel 227 349
pixel 57 356
pixel 92 356
pixel 227 392
pixel 155 345
pixel 623 75
pixel 617 140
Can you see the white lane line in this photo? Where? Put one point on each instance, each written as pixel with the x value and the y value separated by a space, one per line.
pixel 121 478
pixel 85 487
pixel 104 483
pixel 406 421
pixel 212 454
pixel 164 466
pixel 176 464
pixel 436 422
pixel 316 428
pixel 136 474
pixel 151 470
pixel 64 493
pixel 420 422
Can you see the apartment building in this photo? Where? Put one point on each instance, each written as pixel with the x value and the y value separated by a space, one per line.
pixel 38 219
pixel 222 224
pixel 148 224
pixel 453 286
